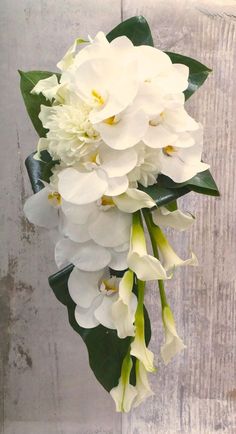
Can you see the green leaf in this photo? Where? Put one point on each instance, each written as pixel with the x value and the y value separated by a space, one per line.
pixel 164 195
pixel 201 183
pixel 39 170
pixel 198 72
pixel 33 102
pixel 135 28
pixel 106 351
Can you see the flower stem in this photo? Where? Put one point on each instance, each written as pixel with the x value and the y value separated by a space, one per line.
pixel 151 230
pixel 139 316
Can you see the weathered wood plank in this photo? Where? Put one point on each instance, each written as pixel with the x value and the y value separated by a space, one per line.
pixel 196 393
pixel 45 378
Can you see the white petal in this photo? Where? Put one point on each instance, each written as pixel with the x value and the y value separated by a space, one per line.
pixel 103 312
pixel 149 99
pixel 180 120
pixel 123 396
pixel 158 137
pixel 133 200
pixel 142 385
pixel 116 163
pixel 48 87
pixel 146 267
pixel 85 256
pixel 175 219
pixel 76 232
pixel 39 210
pixel 83 286
pixel 142 353
pixel 151 62
pixel 81 187
pixel 116 186
pixel 123 310
pixel 118 260
pixel 78 214
pixel 126 132
pixel 173 344
pixel 85 317
pixel 111 228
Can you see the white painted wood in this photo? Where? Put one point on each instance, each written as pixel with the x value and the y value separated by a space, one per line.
pixel 47 387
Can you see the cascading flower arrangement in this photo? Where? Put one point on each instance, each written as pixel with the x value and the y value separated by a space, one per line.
pixel 116 149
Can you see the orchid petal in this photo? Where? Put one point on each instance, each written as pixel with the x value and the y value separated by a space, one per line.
pixel 39 210
pixel 83 286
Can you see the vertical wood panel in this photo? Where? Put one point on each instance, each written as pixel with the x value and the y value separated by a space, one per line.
pixel 196 392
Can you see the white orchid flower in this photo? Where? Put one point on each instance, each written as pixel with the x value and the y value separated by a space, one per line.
pixel 108 94
pixel 94 294
pixel 133 200
pixel 138 346
pixel 173 344
pixel 42 208
pixel 169 259
pixel 175 219
pixel 124 393
pixel 124 130
pixel 142 386
pixel 123 310
pixel 180 163
pixel 107 175
pixel 145 266
pixel 95 304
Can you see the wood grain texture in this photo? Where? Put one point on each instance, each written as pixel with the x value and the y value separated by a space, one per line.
pixel 47 387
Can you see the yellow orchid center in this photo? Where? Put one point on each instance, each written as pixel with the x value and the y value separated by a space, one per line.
pixel 54 198
pixel 98 97
pixel 168 150
pixel 157 121
pixel 107 200
pixel 109 285
pixel 110 121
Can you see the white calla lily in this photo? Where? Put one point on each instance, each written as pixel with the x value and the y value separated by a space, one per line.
pixel 142 386
pixel 124 393
pixel 123 310
pixel 175 219
pixel 145 266
pixel 133 200
pixel 138 347
pixel 41 209
pixel 173 344
pixel 169 259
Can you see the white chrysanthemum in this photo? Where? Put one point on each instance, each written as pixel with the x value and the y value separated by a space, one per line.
pixel 71 135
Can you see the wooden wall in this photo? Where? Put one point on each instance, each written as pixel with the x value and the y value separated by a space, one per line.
pixel 46 385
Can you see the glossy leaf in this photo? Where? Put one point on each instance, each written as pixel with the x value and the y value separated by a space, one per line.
pixel 198 72
pixel 135 28
pixel 201 183
pixel 33 102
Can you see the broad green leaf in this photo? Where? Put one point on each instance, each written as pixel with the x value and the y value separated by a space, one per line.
pixel 201 183
pixel 106 351
pixel 135 28
pixel 198 72
pixel 33 102
pixel 164 195
pixel 39 170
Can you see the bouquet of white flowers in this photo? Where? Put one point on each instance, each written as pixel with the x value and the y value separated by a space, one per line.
pixel 116 149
